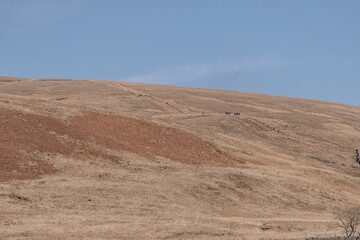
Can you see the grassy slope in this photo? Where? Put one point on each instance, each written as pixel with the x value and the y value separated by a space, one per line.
pixel 283 184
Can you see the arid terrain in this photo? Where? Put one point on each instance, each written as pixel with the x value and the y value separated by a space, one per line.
pixel 91 159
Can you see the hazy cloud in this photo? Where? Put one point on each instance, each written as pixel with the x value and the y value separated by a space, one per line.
pixel 196 72
pixel 41 11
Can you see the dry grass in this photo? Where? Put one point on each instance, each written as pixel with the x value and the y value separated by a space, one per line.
pixel 282 184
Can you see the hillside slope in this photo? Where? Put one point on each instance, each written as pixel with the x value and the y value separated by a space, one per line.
pixel 111 160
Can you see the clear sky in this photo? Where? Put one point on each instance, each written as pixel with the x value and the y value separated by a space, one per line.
pixel 297 48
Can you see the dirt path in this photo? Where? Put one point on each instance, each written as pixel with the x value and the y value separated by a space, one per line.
pixel 168 106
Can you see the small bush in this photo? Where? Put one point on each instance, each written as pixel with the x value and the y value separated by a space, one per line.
pixel 349 221
pixel 18 197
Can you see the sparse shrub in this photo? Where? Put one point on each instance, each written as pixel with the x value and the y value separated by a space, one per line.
pixel 18 197
pixel 349 220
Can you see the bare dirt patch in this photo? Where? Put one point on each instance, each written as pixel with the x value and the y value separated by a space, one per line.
pixel 146 139
pixel 23 134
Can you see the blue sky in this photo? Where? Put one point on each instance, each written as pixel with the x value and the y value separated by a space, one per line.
pixel 305 49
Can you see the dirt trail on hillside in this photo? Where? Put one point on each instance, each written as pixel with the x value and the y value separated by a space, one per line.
pixel 167 105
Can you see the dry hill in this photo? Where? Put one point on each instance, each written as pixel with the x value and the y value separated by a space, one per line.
pixel 85 159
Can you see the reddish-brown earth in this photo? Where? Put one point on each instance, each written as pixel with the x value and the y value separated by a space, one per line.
pixel 146 139
pixel 24 135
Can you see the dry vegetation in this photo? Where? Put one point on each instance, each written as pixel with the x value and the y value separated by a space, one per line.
pixel 349 221
pixel 108 160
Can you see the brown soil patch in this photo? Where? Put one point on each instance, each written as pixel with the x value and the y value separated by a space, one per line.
pixel 23 134
pixel 146 139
